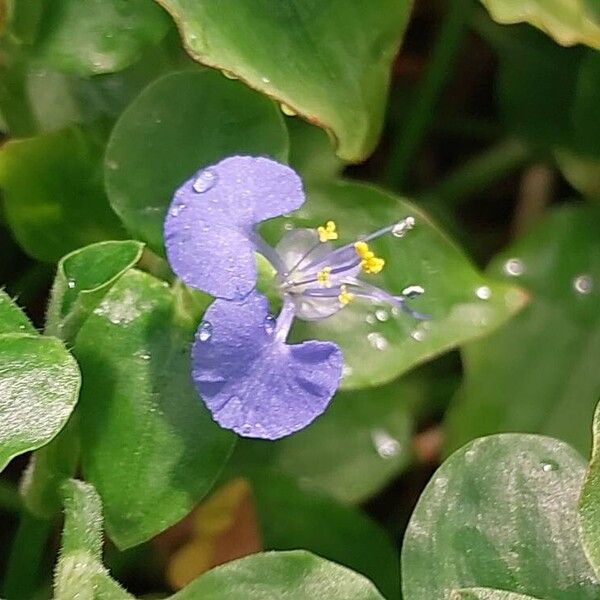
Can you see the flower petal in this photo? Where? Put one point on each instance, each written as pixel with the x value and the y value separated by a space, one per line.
pixel 254 383
pixel 209 229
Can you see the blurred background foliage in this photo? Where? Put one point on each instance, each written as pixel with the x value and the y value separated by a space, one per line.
pixel 486 122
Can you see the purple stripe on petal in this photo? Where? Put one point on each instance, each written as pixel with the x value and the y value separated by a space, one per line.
pixel 209 226
pixel 266 388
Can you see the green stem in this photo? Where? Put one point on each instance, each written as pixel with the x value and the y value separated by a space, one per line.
pixel 478 173
pixel 28 547
pixel 422 110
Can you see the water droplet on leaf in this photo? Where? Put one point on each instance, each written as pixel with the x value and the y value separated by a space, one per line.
pixel 583 284
pixel 483 292
pixel 71 283
pixel 382 315
pixel 549 465
pixel 514 267
pixel 385 445
pixel 377 340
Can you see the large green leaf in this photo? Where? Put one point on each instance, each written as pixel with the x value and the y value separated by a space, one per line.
pixel 291 518
pixel 79 571
pixel 97 36
pixel 569 22
pixel 328 60
pixel 501 513
pixel 53 193
pixel 178 124
pixel 151 448
pixel 352 450
pixel 589 502
pixel 378 344
pixel 82 279
pixel 12 318
pixel 539 373
pixel 296 575
pixel 39 385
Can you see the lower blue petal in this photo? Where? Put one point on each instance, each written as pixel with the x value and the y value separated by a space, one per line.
pixel 256 384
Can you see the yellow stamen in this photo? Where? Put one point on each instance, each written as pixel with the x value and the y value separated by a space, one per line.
pixel 369 263
pixel 345 296
pixel 323 277
pixel 327 232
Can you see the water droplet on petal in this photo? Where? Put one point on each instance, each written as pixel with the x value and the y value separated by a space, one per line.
pixel 514 267
pixel 205 181
pixel 377 340
pixel 270 323
pixel 205 331
pixel 246 428
pixel 483 292
pixel 402 227
pixel 583 284
pixel 71 283
pixel 549 465
pixel 382 315
pixel 177 209
pixel 385 445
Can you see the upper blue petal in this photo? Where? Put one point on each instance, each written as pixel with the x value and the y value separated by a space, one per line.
pixel 255 384
pixel 210 224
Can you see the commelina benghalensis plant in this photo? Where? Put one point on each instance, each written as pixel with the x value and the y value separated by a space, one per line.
pixel 249 377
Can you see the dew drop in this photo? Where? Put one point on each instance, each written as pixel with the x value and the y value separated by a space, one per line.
pixel 288 226
pixel 205 331
pixel 145 356
pixel 229 74
pixel 382 315
pixel 347 370
pixel 402 227
pixel 113 165
pixel 483 292
pixel 71 283
pixel 177 209
pixel 269 324
pixel 549 465
pixel 583 284
pixel 385 445
pixel 377 340
pixel 265 80
pixel 205 181
pixel 246 428
pixel 418 335
pixel 287 110
pixel 514 267
pixel 370 319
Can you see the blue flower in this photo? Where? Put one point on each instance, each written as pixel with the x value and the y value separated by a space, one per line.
pixel 251 380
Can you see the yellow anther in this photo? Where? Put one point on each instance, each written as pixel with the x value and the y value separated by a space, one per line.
pixel 323 277
pixel 369 263
pixel 327 232
pixel 345 296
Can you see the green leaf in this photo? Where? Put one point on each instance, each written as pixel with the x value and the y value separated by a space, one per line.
pixel 39 385
pixel 79 572
pixel 501 512
pixel 312 154
pixel 178 124
pixel 83 278
pixel 539 372
pixel 53 194
pixel 582 173
pixel 298 575
pixel 351 451
pixel 151 448
pixel 97 36
pixel 379 345
pixel 333 60
pixel 292 518
pixel 570 22
pixel 589 502
pixel 487 594
pixel 12 318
